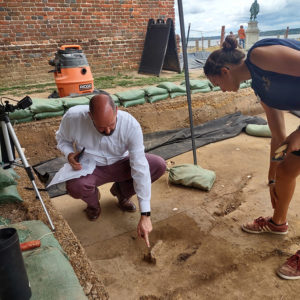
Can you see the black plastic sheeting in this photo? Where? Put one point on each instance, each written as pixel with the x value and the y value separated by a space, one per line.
pixel 166 144
pixel 171 143
pixel 296 113
pixel 196 60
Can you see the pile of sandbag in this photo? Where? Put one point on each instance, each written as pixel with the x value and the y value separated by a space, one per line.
pixel 199 86
pixel 173 89
pixel 8 186
pixel 155 93
pixel 131 97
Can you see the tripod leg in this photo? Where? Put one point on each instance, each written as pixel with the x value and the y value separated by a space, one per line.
pixel 7 142
pixel 27 167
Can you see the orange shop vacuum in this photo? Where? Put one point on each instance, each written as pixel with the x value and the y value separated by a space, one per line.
pixel 72 72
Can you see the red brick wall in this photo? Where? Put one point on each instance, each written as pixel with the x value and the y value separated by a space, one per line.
pixel 110 32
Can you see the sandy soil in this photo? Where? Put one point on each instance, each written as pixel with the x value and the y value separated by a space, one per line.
pixel 203 253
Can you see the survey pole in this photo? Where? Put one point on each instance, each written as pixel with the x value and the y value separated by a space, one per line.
pixel 187 79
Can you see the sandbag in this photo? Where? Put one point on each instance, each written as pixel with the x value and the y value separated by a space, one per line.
pixel 28 119
pixel 133 102
pixel 158 98
pixel 192 176
pixel 42 105
pixel 197 84
pixel 172 87
pixel 116 100
pixel 216 88
pixel 244 85
pixel 154 91
pixel 177 94
pixel 49 271
pixel 258 130
pixel 130 95
pixel 48 114
pixel 206 90
pixel 6 178
pixel 20 114
pixel 10 194
pixel 70 102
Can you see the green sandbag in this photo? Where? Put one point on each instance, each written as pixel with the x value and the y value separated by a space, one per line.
pixel 207 90
pixel 42 105
pixel 70 102
pixel 131 95
pixel 258 130
pixel 196 84
pixel 244 85
pixel 177 94
pixel 28 119
pixel 34 230
pixel 158 98
pixel 44 115
pixel 154 91
pixel 213 88
pixel 20 114
pixel 216 88
pixel 51 276
pixel 13 173
pixel 192 176
pixel 6 178
pixel 115 98
pixel 47 266
pixel 172 87
pixel 133 102
pixel 10 194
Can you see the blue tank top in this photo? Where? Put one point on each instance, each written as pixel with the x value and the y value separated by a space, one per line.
pixel 274 89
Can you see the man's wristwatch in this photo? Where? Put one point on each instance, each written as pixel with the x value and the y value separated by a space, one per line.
pixel 148 213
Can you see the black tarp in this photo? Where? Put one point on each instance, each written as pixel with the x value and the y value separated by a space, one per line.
pixel 166 144
pixel 196 60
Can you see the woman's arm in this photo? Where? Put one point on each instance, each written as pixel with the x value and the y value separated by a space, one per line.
pixel 277 58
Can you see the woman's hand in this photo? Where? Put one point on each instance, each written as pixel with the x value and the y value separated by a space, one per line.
pixel 293 141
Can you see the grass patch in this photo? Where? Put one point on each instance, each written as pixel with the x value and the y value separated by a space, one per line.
pixel 105 82
pixel 35 88
pixel 102 82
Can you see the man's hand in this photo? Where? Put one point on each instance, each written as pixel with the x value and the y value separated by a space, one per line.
pixel 73 162
pixel 144 228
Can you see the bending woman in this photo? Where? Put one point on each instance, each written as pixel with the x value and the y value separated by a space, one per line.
pixel 274 67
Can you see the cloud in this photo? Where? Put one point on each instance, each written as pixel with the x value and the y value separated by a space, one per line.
pixel 207 16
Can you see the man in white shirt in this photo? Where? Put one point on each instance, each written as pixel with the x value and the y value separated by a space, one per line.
pixel 114 152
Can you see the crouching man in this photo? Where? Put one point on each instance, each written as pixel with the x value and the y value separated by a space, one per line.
pixel 114 152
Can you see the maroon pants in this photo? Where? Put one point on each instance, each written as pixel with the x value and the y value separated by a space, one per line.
pixel 85 187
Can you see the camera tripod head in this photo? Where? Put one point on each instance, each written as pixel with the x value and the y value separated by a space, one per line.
pixel 8 107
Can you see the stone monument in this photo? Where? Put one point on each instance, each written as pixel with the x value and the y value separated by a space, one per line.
pixel 252 32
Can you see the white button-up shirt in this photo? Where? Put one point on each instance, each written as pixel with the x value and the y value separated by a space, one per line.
pixel 100 150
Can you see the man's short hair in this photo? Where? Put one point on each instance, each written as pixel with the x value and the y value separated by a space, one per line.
pixel 110 101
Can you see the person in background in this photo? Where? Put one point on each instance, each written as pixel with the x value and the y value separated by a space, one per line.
pixel 274 67
pixel 242 36
pixel 114 152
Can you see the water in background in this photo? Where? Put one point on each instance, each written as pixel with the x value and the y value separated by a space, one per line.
pixel 215 42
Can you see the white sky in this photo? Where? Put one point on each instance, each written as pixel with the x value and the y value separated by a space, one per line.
pixel 209 15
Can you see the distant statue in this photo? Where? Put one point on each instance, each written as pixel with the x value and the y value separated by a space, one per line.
pixel 254 9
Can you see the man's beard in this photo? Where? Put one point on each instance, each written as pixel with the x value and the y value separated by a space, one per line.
pixel 108 134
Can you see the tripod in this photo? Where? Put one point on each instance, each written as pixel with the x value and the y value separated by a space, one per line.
pixel 8 132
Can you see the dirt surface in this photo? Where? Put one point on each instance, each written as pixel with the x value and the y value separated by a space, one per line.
pixel 202 254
